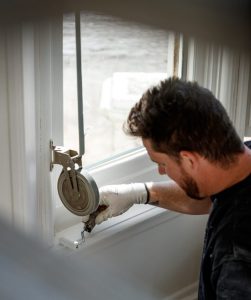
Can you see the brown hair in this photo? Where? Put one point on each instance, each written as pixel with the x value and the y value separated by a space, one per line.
pixel 177 115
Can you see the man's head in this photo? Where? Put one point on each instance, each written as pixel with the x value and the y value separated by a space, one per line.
pixel 186 131
pixel 182 116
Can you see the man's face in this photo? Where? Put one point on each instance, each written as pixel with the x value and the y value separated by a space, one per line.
pixel 190 186
pixel 175 170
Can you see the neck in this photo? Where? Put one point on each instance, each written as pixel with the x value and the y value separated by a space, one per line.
pixel 242 168
pixel 218 179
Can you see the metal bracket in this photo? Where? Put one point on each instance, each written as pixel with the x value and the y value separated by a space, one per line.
pixel 67 158
pixel 64 157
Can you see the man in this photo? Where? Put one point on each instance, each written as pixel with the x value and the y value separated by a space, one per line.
pixel 188 133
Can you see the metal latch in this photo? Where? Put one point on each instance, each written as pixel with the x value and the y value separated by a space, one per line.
pixel 76 188
pixel 68 159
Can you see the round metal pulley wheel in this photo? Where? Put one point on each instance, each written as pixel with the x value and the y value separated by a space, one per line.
pixel 88 198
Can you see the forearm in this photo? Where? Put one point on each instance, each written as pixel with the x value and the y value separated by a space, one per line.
pixel 170 196
pixel 117 199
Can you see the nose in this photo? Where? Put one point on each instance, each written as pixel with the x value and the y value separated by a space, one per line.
pixel 161 170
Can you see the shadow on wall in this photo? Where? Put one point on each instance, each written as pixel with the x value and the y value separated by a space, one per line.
pixel 149 261
pixel 29 271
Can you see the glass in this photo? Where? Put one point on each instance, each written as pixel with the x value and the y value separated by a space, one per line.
pixel 120 60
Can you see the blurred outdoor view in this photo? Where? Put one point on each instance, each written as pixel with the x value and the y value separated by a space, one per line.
pixel 120 60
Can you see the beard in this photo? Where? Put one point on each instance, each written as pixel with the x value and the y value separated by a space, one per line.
pixel 190 187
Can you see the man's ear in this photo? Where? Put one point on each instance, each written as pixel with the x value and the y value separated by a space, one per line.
pixel 189 160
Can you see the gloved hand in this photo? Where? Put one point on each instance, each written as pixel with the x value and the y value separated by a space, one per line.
pixel 119 198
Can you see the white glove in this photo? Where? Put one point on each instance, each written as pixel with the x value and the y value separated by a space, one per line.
pixel 119 198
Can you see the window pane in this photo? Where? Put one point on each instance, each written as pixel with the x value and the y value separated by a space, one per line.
pixel 120 60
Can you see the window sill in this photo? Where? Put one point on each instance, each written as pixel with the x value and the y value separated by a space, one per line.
pixel 133 167
pixel 70 238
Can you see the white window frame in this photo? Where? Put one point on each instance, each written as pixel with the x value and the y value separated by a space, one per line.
pixel 135 166
pixel 31 101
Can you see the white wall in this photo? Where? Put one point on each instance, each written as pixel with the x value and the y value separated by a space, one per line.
pixel 160 253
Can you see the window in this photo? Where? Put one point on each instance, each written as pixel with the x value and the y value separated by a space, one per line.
pixel 120 60
pixel 31 99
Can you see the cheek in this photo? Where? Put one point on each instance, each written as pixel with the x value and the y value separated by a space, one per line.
pixel 174 173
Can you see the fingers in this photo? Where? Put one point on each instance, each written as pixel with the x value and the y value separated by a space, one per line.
pixel 105 213
pixel 103 216
pixel 85 218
